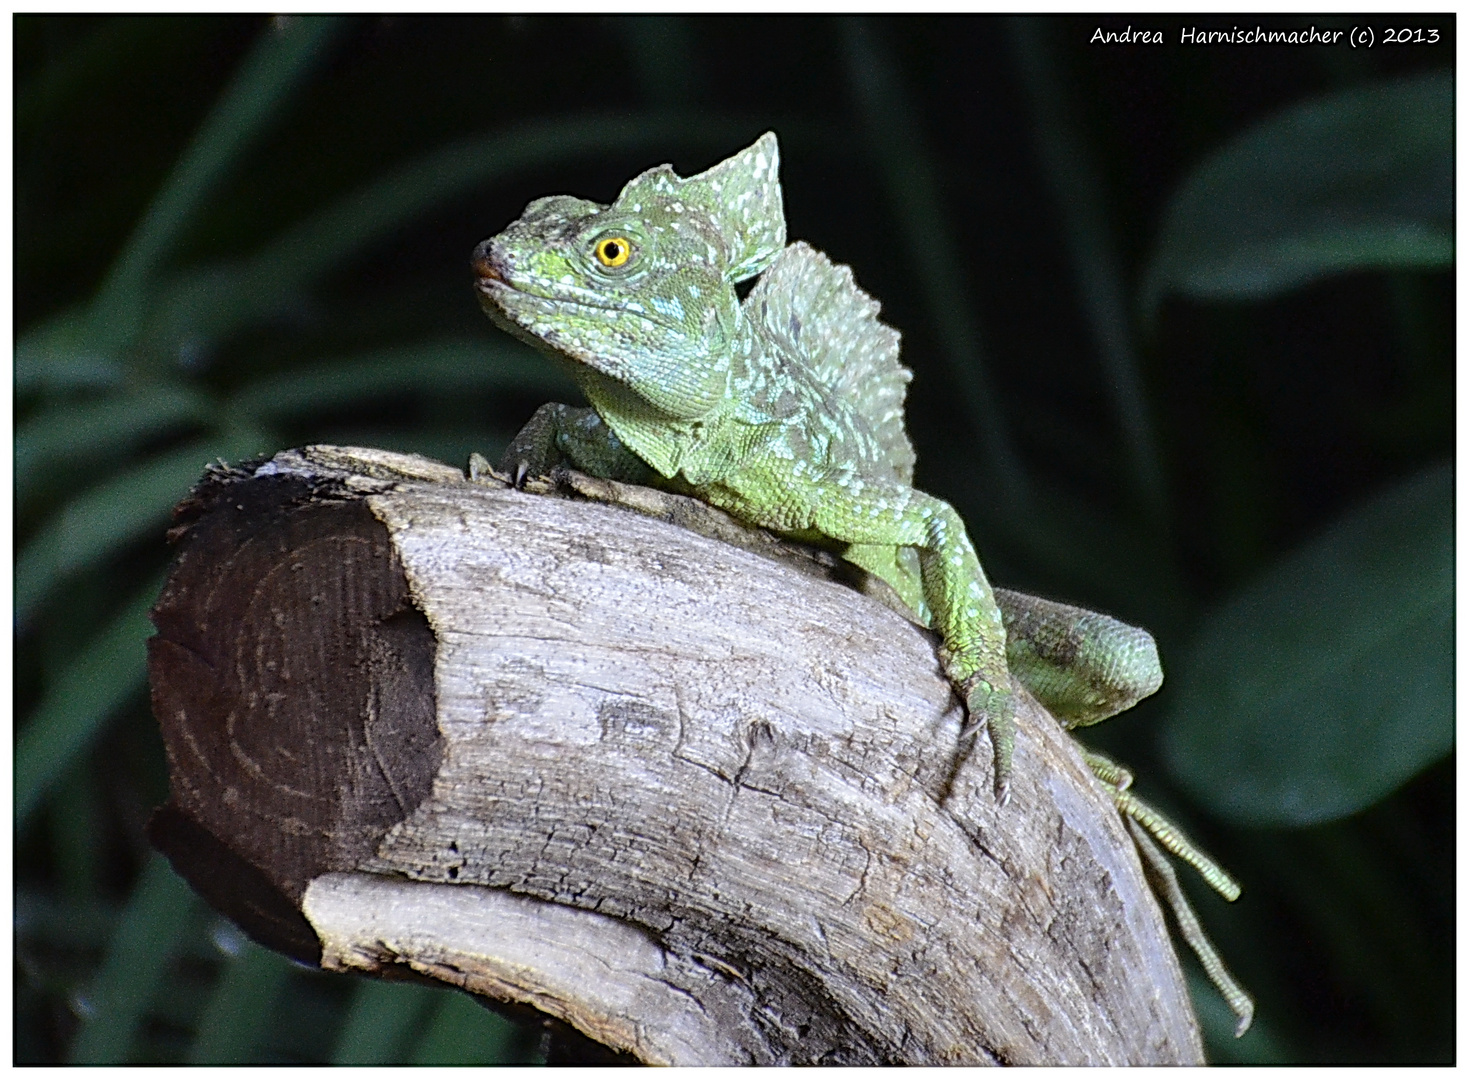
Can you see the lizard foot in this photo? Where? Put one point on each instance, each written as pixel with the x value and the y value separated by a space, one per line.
pixel 991 707
pixel 1150 829
pixel 535 450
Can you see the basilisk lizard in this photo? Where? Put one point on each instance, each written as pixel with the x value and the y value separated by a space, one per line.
pixel 786 410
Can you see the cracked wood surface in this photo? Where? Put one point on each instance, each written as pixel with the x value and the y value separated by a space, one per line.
pixel 695 804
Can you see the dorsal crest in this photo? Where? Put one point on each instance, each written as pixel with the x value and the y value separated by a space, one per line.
pixel 740 197
pixel 813 310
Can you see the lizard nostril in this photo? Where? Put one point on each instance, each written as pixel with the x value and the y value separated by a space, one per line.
pixel 484 265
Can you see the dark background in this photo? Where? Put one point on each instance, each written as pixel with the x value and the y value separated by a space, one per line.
pixel 235 235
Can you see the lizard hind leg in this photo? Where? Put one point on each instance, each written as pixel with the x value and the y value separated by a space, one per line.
pixel 1081 665
pixel 866 512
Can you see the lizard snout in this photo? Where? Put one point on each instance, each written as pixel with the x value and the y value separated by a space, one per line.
pixel 484 264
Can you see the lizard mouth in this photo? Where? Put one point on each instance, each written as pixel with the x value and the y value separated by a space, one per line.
pixel 497 293
pixel 503 292
pixel 494 279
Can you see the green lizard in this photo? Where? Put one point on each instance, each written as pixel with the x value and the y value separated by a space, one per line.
pixel 786 410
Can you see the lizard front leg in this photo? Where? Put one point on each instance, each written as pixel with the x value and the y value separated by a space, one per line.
pixel 562 435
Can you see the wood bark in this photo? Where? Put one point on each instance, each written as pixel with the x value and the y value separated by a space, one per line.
pixel 697 803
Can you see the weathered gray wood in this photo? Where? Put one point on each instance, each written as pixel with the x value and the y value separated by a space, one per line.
pixel 700 805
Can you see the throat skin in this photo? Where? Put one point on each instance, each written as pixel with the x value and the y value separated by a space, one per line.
pixel 698 454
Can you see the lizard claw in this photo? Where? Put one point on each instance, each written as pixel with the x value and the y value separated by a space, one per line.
pixel 518 466
pixel 479 469
pixel 534 450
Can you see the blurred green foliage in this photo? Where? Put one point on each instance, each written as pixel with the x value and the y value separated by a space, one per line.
pixel 1182 326
pixel 1359 179
pixel 1325 684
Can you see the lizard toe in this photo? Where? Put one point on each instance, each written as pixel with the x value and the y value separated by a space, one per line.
pixel 993 707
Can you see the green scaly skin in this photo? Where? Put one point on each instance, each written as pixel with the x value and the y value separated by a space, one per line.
pixel 785 410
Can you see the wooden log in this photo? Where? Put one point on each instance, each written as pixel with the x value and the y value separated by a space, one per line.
pixel 696 803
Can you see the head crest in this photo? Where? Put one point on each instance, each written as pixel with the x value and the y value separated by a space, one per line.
pixel 740 196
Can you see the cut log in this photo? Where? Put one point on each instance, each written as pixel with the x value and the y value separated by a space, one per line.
pixel 697 803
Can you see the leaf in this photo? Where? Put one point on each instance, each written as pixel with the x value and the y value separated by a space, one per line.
pixel 380 1021
pixel 1362 179
pixel 236 1017
pixel 462 1032
pixel 101 430
pixel 82 697
pixel 150 935
pixel 64 922
pixel 1329 682
pixel 59 356
pixel 436 367
pixel 252 100
pixel 117 512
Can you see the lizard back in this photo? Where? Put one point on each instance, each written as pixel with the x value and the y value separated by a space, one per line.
pixel 812 311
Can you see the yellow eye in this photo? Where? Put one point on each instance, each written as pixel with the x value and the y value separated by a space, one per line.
pixel 613 250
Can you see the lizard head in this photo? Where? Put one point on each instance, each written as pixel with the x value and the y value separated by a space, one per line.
pixel 642 291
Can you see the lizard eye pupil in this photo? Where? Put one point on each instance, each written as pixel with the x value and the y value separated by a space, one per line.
pixel 613 251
